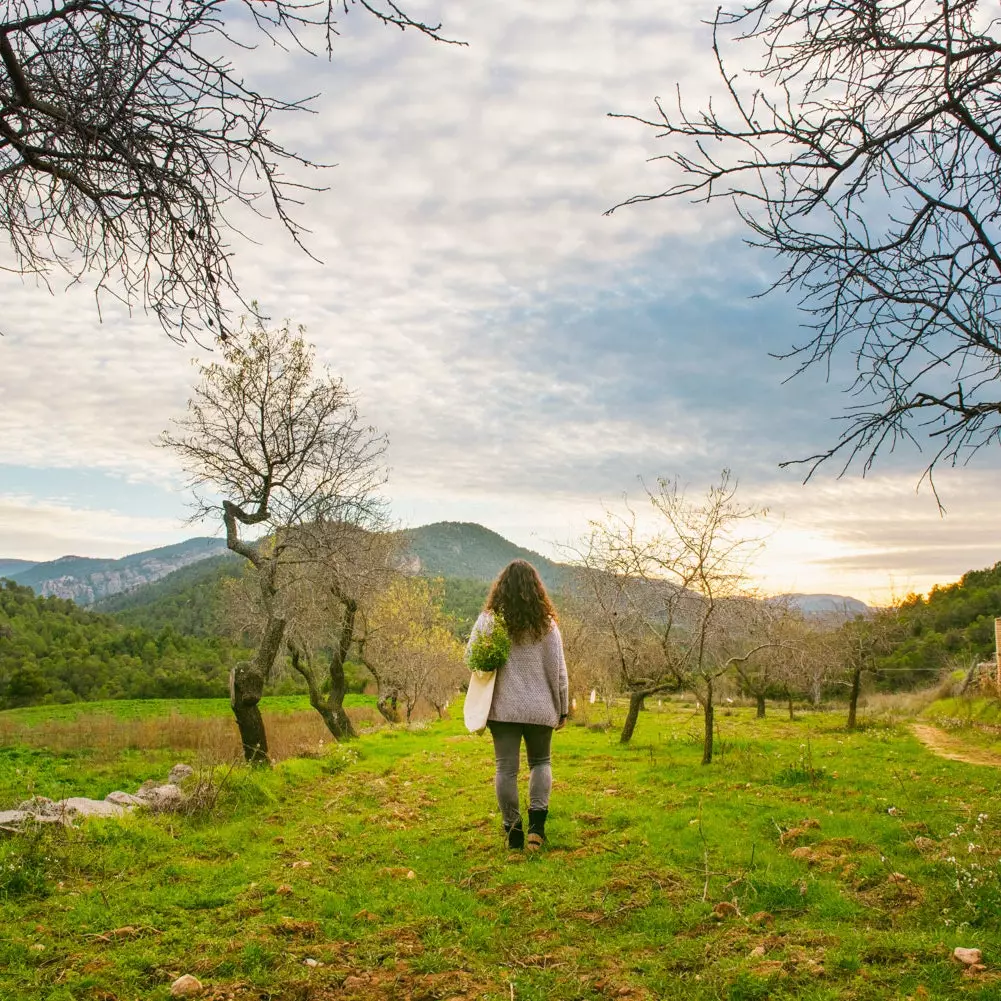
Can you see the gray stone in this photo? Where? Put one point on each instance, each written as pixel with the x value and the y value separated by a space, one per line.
pixel 165 797
pixel 179 773
pixel 125 799
pixel 40 806
pixel 83 807
pixel 11 818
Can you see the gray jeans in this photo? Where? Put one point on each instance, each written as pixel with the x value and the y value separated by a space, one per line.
pixel 507 751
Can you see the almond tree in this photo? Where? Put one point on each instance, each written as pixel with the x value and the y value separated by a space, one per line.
pixel 130 141
pixel 410 647
pixel 277 448
pixel 682 589
pixel 860 144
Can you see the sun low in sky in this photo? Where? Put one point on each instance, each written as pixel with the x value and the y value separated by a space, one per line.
pixel 529 357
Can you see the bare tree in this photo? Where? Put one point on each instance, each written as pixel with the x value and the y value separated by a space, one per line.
pixel 285 449
pixel 677 598
pixel 773 671
pixel 615 637
pixel 861 143
pixel 128 137
pixel 858 646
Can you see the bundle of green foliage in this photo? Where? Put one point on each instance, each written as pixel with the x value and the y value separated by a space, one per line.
pixel 51 650
pixel 490 650
pixel 952 626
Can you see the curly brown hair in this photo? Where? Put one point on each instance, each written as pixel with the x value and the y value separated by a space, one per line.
pixel 519 597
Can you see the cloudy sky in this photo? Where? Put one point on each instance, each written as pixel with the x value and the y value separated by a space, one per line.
pixel 529 357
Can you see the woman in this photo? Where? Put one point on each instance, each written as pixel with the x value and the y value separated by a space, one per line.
pixel 530 696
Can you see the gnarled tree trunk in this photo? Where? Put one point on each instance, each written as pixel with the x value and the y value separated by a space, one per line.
pixel 246 686
pixel 853 697
pixel 635 705
pixel 760 700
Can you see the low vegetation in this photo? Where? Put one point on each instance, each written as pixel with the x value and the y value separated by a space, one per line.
pixel 807 862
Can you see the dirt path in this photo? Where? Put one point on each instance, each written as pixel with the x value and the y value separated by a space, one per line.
pixel 946 746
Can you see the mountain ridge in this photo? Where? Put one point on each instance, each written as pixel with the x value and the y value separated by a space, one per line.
pixel 460 550
pixel 86 579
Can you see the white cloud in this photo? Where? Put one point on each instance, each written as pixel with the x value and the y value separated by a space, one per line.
pixel 464 218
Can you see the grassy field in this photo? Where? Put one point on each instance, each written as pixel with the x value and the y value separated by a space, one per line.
pixel 805 863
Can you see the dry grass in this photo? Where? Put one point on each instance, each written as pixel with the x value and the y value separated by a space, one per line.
pixel 214 739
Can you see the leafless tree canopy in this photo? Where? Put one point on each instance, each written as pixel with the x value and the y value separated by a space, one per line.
pixel 127 135
pixel 284 447
pixel 861 143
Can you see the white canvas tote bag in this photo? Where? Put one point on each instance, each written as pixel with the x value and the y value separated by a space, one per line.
pixel 479 695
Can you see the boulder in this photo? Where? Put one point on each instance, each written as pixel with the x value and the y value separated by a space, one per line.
pixel 165 797
pixel 179 773
pixel 125 799
pixel 80 806
pixel 11 818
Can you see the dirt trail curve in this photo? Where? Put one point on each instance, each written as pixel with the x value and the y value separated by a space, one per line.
pixel 946 746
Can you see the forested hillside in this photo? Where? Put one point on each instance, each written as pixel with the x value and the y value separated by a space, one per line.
pixel 53 651
pixel 187 600
pixel 954 625
pixel 468 551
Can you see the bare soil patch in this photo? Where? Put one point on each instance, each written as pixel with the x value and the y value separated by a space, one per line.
pixel 945 745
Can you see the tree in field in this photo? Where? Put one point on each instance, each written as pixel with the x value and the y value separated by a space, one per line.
pixel 411 649
pixel 861 144
pixel 611 642
pixel 331 573
pixel 129 140
pixel 682 588
pixel 768 674
pixel 858 646
pixel 284 448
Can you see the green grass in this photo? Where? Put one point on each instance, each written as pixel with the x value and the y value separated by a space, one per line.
pixel 313 860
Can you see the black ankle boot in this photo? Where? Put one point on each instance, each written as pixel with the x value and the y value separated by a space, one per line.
pixel 536 829
pixel 515 834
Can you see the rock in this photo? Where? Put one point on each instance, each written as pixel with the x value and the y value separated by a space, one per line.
pixel 312 963
pixel 40 806
pixel 165 797
pixel 757 952
pixel 179 773
pixel 350 983
pixel 125 799
pixel 11 818
pixel 724 909
pixel 968 957
pixel 185 986
pixel 82 807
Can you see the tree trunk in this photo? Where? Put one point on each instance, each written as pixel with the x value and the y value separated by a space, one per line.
pixel 792 714
pixel 760 699
pixel 342 728
pixel 386 704
pixel 853 698
pixel 246 686
pixel 635 704
pixel 708 715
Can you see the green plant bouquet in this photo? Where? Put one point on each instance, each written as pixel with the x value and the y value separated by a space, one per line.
pixel 490 649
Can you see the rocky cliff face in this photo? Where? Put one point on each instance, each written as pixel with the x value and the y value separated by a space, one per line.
pixel 86 580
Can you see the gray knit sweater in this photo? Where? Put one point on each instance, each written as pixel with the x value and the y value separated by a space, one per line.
pixel 532 686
